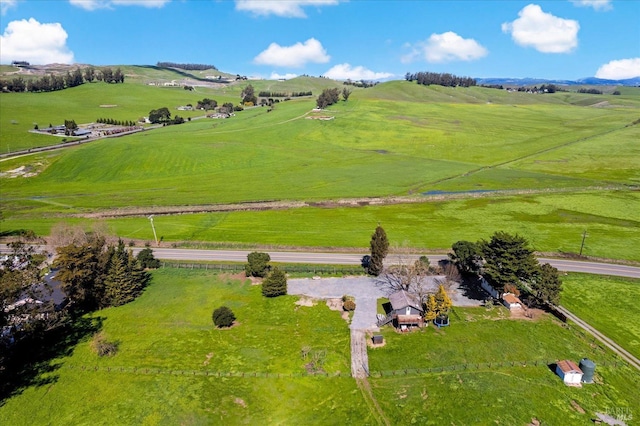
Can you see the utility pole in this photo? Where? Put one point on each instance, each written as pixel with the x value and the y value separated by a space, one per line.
pixel 156 236
pixel 584 235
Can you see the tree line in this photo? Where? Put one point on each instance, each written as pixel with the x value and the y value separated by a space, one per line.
pixel 187 67
pixel 163 116
pixel 266 94
pixel 440 79
pixel 360 83
pixel 54 82
pixel 116 122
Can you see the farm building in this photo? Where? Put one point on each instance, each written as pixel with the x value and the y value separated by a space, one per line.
pixel 406 310
pixel 511 301
pixel 569 372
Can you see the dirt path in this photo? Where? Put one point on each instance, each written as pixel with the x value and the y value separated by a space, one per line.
pixel 338 203
pixel 359 357
pixel 372 402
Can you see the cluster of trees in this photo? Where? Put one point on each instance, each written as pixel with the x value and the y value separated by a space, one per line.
pixel 207 104
pixel 331 96
pixel 50 83
pixel 116 122
pixel 20 63
pixel 188 67
pixel 493 86
pixel 590 91
pixel 506 260
pixel 275 280
pixel 266 94
pixel 163 116
pixel 95 275
pixel 248 96
pixel 440 79
pixel 437 304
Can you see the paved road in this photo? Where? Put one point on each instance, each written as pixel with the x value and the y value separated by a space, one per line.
pixel 355 259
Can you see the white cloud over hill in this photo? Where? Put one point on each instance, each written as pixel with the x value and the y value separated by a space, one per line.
pixel 297 55
pixel 37 43
pixel 347 72
pixel 543 31
pixel 620 69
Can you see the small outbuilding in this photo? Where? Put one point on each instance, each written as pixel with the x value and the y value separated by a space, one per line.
pixel 569 372
pixel 406 310
pixel 511 301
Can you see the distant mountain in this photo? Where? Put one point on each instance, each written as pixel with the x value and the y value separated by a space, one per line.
pixel 538 81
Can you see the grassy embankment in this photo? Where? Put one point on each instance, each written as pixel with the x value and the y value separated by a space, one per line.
pixel 609 304
pixel 394 139
pixel 169 332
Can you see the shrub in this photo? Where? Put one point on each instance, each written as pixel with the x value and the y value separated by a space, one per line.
pixel 147 260
pixel 258 264
pixel 349 305
pixel 275 284
pixel 223 317
pixel 102 347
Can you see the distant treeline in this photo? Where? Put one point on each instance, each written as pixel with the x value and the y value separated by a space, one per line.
pixel 590 91
pixel 493 86
pixel 265 94
pixel 545 88
pixel 441 79
pixel 50 83
pixel 360 83
pixel 188 67
pixel 20 63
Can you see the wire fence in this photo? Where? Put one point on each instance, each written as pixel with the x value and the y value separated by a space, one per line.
pixel 487 366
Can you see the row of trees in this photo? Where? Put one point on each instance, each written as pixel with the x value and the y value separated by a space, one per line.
pixel 441 79
pixel 54 82
pixel 266 94
pixel 360 83
pixel 115 122
pixel 507 262
pixel 187 67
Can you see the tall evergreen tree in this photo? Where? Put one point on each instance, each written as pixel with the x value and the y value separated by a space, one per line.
pixel 546 286
pixel 443 302
pixel 509 260
pixel 275 284
pixel 379 249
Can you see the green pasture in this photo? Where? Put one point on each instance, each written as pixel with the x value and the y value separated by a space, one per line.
pixel 475 395
pixel 609 304
pixel 169 330
pixel 166 369
pixel 128 101
pixel 550 222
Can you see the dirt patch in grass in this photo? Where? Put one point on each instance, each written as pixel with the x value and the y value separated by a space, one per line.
pixel 305 301
pixel 240 402
pixel 577 407
pixel 334 304
pixel 108 106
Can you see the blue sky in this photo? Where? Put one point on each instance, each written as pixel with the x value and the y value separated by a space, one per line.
pixel 370 39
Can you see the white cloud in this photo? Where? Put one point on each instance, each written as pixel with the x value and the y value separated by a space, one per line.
pixel 596 4
pixel 346 72
pixel 543 31
pixel 445 47
pixel 107 4
pixel 282 8
pixel 34 42
pixel 620 69
pixel 295 56
pixel 287 76
pixel 5 5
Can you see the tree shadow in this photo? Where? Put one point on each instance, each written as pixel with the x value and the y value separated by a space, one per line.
pixel 32 361
pixel 471 289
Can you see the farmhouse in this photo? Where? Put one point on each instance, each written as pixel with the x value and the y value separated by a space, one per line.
pixel 406 311
pixel 569 372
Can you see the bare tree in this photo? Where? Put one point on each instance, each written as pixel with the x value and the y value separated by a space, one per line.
pixel 411 277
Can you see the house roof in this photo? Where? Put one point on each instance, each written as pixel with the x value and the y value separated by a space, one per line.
pixel 402 299
pixel 568 366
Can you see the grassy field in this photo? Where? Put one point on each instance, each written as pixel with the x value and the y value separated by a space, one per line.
pixel 482 395
pixel 169 330
pixel 608 304
pixel 167 346
pixel 551 223
pixel 395 139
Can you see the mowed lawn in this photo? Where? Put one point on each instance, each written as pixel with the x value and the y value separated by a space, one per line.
pixel 503 394
pixel 609 304
pixel 169 331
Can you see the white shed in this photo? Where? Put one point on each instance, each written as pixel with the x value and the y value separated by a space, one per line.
pixel 569 372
